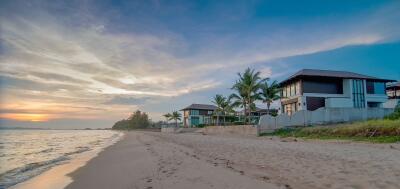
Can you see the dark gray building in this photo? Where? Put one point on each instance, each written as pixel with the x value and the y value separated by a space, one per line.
pixel 310 89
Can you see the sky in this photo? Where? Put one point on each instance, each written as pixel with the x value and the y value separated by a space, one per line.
pixel 83 63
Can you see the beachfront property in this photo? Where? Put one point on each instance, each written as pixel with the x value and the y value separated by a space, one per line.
pixel 256 114
pixel 310 89
pixel 197 114
pixel 393 93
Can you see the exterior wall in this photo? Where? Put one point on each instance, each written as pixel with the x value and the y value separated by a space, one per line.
pixel 379 98
pixel 391 103
pixel 321 116
pixel 338 103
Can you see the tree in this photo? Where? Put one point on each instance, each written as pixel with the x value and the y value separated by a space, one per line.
pixel 219 101
pixel 227 108
pixel 137 120
pixel 247 87
pixel 167 116
pixel 175 116
pixel 122 124
pixel 269 93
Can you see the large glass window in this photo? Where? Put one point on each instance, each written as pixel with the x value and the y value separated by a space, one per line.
pixel 298 85
pixel 324 86
pixel 284 92
pixel 194 112
pixel 195 121
pixel 358 93
pixel 287 90
pixel 375 87
pixel 292 90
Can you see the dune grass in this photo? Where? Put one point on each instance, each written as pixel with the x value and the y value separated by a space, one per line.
pixel 379 131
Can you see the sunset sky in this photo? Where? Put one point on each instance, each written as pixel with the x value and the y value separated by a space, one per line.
pixel 77 64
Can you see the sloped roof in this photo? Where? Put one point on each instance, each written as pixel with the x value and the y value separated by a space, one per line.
pixel 332 73
pixel 200 107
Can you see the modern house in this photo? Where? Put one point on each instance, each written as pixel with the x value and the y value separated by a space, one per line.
pixel 197 114
pixel 393 92
pixel 310 89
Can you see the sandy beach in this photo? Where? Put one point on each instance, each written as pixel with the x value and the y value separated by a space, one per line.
pixel 158 160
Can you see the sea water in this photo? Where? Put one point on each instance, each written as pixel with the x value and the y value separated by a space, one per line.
pixel 27 153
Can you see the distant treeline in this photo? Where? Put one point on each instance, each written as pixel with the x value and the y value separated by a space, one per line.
pixel 137 120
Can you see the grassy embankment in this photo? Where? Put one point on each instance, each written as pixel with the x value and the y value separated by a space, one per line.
pixel 380 131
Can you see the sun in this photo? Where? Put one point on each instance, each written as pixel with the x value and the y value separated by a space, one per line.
pixel 27 117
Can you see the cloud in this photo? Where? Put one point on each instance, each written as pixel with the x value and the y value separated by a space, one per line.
pixel 81 57
pixel 24 84
pixel 123 100
pixel 58 77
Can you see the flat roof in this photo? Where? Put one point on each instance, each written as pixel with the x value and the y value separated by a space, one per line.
pixel 393 85
pixel 332 73
pixel 200 107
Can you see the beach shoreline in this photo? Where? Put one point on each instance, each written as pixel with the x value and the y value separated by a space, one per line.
pixel 57 176
pixel 160 160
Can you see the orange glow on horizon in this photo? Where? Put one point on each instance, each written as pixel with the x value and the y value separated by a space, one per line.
pixel 27 117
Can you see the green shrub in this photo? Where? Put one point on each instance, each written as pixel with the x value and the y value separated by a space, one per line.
pixel 384 130
pixel 201 125
pixel 395 115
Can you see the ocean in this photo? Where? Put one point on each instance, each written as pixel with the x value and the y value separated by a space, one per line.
pixel 27 153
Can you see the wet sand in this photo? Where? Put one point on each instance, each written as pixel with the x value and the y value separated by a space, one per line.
pixel 158 160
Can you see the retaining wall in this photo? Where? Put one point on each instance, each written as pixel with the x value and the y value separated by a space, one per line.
pixel 320 116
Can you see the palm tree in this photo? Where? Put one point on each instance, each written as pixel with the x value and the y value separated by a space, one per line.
pixel 247 86
pixel 227 108
pixel 167 116
pixel 270 93
pixel 239 100
pixel 219 101
pixel 224 106
pixel 175 116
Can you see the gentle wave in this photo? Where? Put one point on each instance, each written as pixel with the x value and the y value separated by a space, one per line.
pixel 42 151
pixel 25 154
pixel 23 173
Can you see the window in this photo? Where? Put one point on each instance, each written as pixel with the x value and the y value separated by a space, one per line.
pixel 194 112
pixel 195 121
pixel 298 85
pixel 375 87
pixel 287 90
pixel 284 92
pixel 374 104
pixel 292 89
pixel 323 85
pixel 358 93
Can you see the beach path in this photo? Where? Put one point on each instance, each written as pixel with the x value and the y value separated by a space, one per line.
pixel 160 160
pixel 144 161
